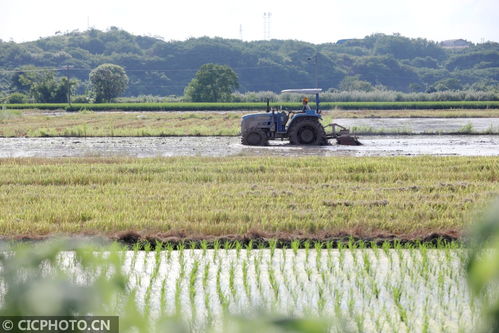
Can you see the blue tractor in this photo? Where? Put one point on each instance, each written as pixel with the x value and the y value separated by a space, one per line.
pixel 301 128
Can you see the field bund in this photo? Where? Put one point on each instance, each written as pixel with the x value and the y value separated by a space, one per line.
pixel 245 197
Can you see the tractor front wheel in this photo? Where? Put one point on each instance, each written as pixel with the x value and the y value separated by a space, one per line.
pixel 307 132
pixel 255 137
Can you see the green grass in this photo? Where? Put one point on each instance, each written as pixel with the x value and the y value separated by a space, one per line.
pixel 214 197
pixel 33 123
pixel 260 106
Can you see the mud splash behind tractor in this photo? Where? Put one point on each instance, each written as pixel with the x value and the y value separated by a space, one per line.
pixel 342 135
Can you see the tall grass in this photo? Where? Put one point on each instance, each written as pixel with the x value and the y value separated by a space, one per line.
pixel 394 96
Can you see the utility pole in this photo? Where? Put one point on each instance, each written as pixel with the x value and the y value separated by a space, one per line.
pixel 68 85
pixel 316 78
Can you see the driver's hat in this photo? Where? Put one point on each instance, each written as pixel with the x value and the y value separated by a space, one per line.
pixel 305 99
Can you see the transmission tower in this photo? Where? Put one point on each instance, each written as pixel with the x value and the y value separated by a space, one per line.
pixel 266 25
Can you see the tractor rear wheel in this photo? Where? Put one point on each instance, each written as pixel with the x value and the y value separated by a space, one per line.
pixel 307 132
pixel 254 137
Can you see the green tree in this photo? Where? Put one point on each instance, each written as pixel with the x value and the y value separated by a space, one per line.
pixel 447 84
pixel 384 70
pixel 393 61
pixel 353 83
pixel 212 83
pixel 26 77
pixel 42 84
pixel 17 98
pixel 52 90
pixel 108 81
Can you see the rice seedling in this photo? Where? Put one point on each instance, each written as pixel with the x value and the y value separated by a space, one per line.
pixel 295 245
pixel 192 286
pixel 245 279
pixel 163 297
pixel 232 275
pixel 178 295
pixel 204 246
pixel 238 248
pixel 135 249
pixel 169 248
pixel 306 246
pixel 224 301
pixel 273 282
pixel 272 247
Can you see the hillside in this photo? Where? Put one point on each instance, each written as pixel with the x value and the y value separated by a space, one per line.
pixel 158 67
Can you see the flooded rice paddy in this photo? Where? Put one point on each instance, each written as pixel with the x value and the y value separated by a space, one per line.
pixel 393 145
pixel 422 125
pixel 362 290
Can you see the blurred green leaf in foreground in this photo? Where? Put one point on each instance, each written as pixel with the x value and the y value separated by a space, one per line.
pixel 483 266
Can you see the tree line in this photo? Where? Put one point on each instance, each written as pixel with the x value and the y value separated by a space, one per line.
pixel 157 67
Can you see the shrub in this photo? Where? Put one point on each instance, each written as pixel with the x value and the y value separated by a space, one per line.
pixel 81 99
pixel 17 98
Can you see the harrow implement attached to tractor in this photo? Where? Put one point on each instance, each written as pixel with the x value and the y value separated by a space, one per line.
pixel 300 127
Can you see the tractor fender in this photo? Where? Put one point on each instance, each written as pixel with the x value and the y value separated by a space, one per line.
pixel 303 116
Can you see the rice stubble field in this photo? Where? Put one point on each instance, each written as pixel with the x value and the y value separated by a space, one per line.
pixel 197 197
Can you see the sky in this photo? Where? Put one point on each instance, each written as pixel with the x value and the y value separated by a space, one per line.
pixel 319 21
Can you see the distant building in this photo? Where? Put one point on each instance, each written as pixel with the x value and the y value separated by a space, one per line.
pixel 351 41
pixel 455 44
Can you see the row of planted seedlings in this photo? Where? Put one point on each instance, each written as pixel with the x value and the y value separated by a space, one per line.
pixel 357 285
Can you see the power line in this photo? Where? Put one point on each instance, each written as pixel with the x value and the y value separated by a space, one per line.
pixel 128 70
pixel 247 85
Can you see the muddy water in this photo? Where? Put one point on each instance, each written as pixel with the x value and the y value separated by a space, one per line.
pixel 476 145
pixel 422 125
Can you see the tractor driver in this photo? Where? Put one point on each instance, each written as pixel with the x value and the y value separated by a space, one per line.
pixel 306 107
